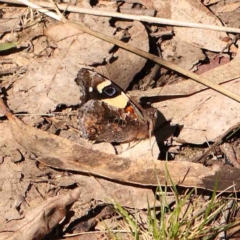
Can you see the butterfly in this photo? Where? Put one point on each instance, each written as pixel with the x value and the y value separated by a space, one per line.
pixel 109 114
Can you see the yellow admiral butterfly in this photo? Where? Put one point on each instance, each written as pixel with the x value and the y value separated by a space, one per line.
pixel 108 114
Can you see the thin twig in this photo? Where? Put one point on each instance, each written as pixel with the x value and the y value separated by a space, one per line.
pixel 164 21
pixel 217 142
pixel 8 71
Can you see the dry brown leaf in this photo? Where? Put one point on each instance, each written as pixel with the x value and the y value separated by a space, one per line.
pixel 213 63
pixel 181 53
pixel 205 115
pixel 13 189
pixel 79 47
pixel 195 11
pixel 209 2
pixel 40 220
pixel 163 8
pixel 128 64
pixel 11 20
pixel 144 149
pixel 230 18
pixel 45 85
pixel 147 3
pixel 230 7
pixel 112 192
pixel 16 180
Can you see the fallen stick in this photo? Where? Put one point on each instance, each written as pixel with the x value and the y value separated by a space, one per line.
pixel 142 18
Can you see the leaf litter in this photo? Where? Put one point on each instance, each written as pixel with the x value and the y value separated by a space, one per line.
pixel 56 54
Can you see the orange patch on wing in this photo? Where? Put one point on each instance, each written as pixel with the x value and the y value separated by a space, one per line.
pixel 129 109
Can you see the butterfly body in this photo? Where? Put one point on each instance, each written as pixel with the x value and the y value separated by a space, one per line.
pixel 108 114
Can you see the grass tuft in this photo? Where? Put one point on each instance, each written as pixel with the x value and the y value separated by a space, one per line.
pixel 189 216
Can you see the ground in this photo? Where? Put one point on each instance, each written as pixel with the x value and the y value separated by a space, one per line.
pixel 56 184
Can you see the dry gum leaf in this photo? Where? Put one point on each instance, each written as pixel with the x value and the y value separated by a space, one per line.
pixel 40 220
pixel 229 7
pixel 195 11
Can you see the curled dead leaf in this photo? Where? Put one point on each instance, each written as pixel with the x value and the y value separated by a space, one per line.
pixel 40 221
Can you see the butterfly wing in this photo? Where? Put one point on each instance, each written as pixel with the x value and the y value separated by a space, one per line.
pixel 108 113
